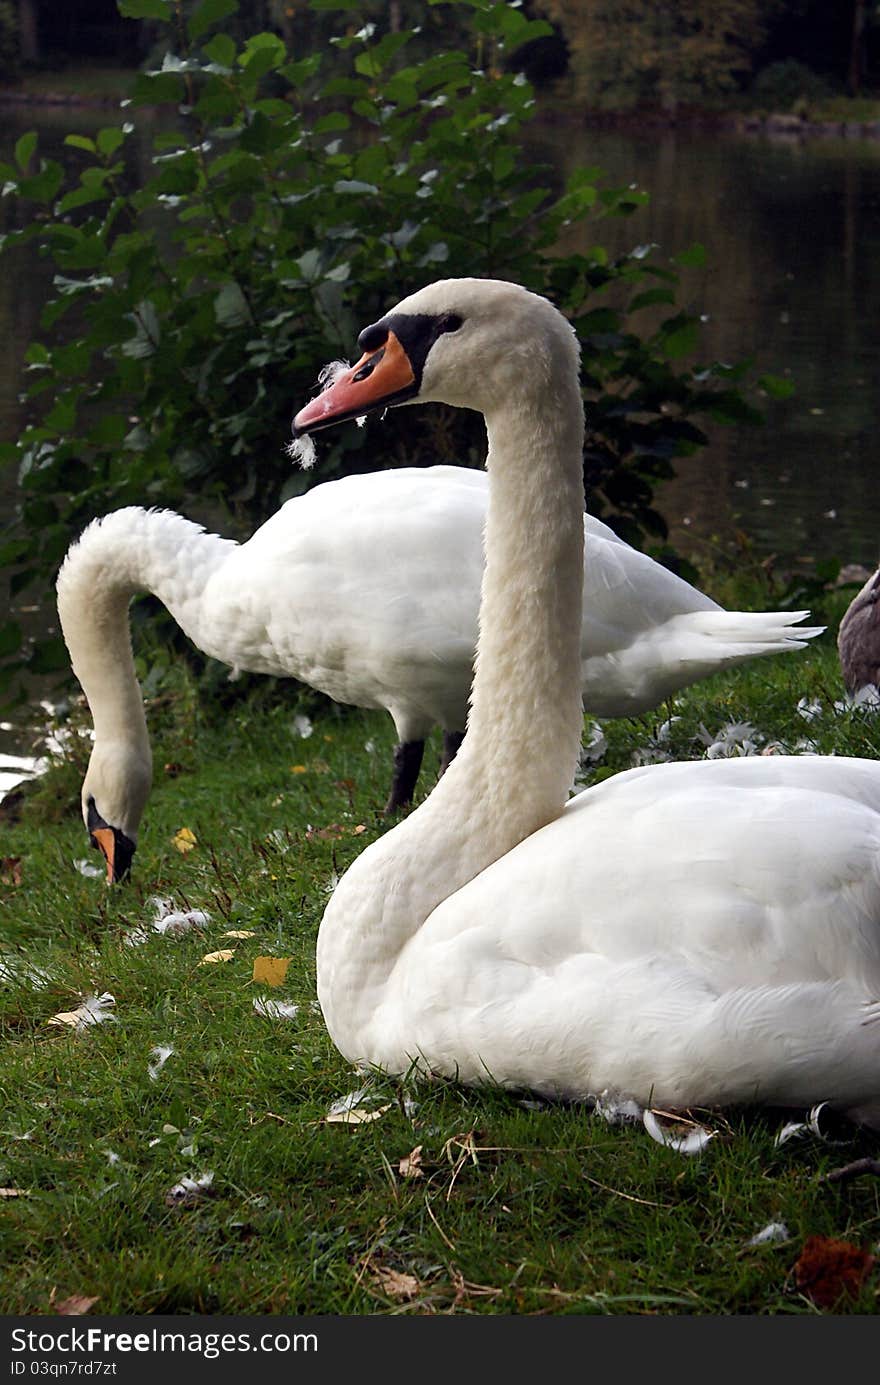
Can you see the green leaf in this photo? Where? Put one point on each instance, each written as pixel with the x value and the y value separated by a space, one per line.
pixel 231 307
pixel 209 13
pixel 147 335
pixel 681 339
pixel 81 197
pixel 694 256
pixel 157 89
pixel 356 186
pixel 776 386
pixel 650 297
pixel 221 50
pixel 110 139
pixel 43 186
pixel 145 9
pixel 80 142
pixel 24 149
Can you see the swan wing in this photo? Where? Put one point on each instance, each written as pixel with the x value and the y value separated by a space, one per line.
pixel 660 938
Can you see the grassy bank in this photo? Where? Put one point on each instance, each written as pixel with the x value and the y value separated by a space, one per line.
pixel 508 1206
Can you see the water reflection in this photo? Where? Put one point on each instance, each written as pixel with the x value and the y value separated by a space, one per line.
pixel 793 280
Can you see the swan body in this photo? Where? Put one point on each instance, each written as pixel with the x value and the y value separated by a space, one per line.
pixel 367 589
pixel 858 642
pixel 686 934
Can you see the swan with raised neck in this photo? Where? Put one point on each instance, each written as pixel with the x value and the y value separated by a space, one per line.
pixel 703 933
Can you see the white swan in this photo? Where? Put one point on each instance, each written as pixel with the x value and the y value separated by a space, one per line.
pixel 686 934
pixel 367 589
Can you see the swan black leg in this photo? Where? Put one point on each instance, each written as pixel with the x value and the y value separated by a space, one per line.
pixel 407 763
pixel 451 743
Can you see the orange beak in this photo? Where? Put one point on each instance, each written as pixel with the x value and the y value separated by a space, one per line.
pixel 379 377
pixel 106 843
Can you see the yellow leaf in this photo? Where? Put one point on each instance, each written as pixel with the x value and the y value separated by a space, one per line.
pixel 225 954
pixel 271 971
pixel 239 933
pixel 184 840
pixel 298 769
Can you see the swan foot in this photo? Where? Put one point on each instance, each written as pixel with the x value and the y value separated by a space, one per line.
pixel 451 743
pixel 407 763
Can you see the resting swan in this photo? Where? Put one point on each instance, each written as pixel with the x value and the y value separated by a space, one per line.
pixel 367 589
pixel 691 934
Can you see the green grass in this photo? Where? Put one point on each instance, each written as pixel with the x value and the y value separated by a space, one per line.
pixel 519 1209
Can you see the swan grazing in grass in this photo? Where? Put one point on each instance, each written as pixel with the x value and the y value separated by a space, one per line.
pixel 691 934
pixel 858 643
pixel 367 589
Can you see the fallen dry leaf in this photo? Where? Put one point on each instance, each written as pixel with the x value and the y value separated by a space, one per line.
pixel 14 1192
pixel 332 832
pixel 356 1115
pixel 10 870
pixel 827 1269
pixel 184 840
pixel 271 971
pixel 239 933
pixel 74 1306
pixel 395 1284
pixel 172 769
pixel 225 954
pixel 298 769
pixel 410 1165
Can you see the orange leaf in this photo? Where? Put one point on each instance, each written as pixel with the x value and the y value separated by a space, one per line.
pixel 828 1269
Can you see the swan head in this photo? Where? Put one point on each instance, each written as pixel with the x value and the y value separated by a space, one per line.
pixel 114 795
pixel 471 343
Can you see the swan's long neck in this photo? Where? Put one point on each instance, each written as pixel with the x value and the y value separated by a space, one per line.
pixel 117 557
pixel 515 766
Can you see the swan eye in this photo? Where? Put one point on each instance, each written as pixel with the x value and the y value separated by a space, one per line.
pixel 449 322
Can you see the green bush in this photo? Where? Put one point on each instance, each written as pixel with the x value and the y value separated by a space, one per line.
pixel 785 84
pixel 293 197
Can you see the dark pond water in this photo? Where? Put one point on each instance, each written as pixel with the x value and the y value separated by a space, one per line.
pixel 792 232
